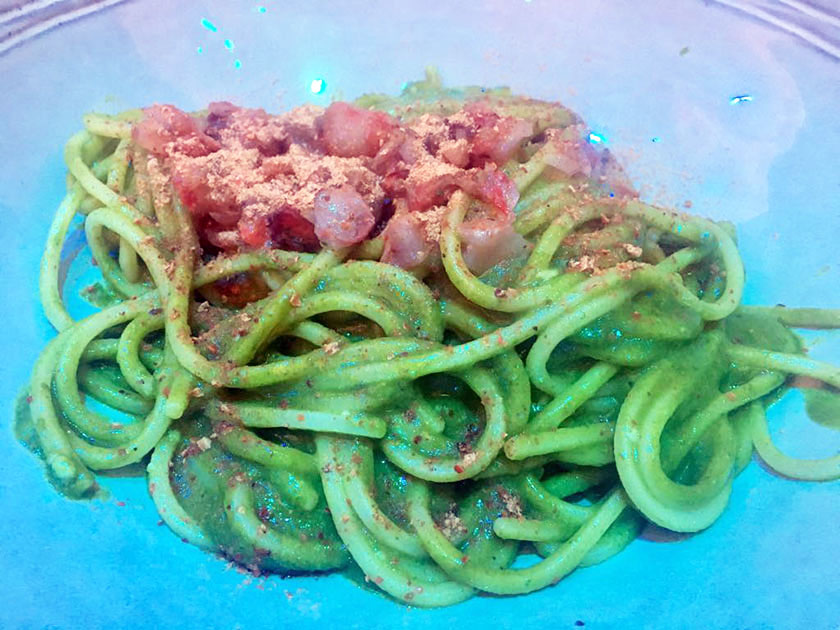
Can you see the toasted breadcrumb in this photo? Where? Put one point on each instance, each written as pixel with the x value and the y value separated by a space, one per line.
pixel 512 504
pixel 634 250
pixel 203 443
pixel 452 525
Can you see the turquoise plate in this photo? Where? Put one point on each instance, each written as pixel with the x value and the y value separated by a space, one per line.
pixel 703 103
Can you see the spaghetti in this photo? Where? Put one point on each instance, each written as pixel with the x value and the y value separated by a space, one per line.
pixel 468 342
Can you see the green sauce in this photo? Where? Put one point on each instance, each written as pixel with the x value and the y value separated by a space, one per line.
pixel 823 407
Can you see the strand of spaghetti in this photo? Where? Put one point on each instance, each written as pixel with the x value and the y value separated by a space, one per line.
pixel 97 384
pixel 141 182
pixel 168 212
pixel 115 180
pixel 388 570
pixel 826 469
pixel 224 266
pixel 537 495
pixel 109 126
pixel 101 250
pixel 370 249
pixel 569 399
pixel 511 581
pixel 596 454
pixel 129 266
pixel 529 529
pixel 271 318
pixel 512 378
pixel 290 551
pixel 178 397
pixel 523 175
pixel 89 204
pixel 315 333
pixel 94 425
pixel 80 170
pixel 742 434
pixel 106 349
pixel 538 207
pixel 445 468
pixel 90 151
pixel 551 239
pixel 63 462
pixel 594 297
pixel 651 402
pixel 686 437
pixel 154 427
pixel 391 322
pixel 784 362
pixel 260 416
pixel 564 439
pixel 64 466
pixel 100 350
pixel 358 486
pixel 118 172
pixel 465 320
pixel 624 530
pixel 99 160
pixel 243 443
pixel 819 318
pixel 700 231
pixel 503 467
pixel 484 295
pixel 48 280
pixel 620 534
pixel 568 483
pixel 601 301
pixel 166 503
pixel 128 351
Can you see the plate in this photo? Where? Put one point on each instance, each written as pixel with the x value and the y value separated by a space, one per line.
pixel 702 103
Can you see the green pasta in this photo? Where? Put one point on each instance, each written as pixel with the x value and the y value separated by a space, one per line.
pixel 429 425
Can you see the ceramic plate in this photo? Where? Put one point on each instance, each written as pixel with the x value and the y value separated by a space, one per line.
pixel 658 82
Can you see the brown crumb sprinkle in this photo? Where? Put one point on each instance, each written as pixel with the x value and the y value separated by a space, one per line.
pixel 512 504
pixel 634 250
pixel 585 264
pixel 452 525
pixel 203 443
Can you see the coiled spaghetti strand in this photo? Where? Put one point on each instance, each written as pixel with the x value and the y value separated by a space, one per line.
pixel 512 581
pixel 166 502
pixel 428 588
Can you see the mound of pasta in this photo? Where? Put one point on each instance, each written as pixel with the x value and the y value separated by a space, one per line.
pixel 437 337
